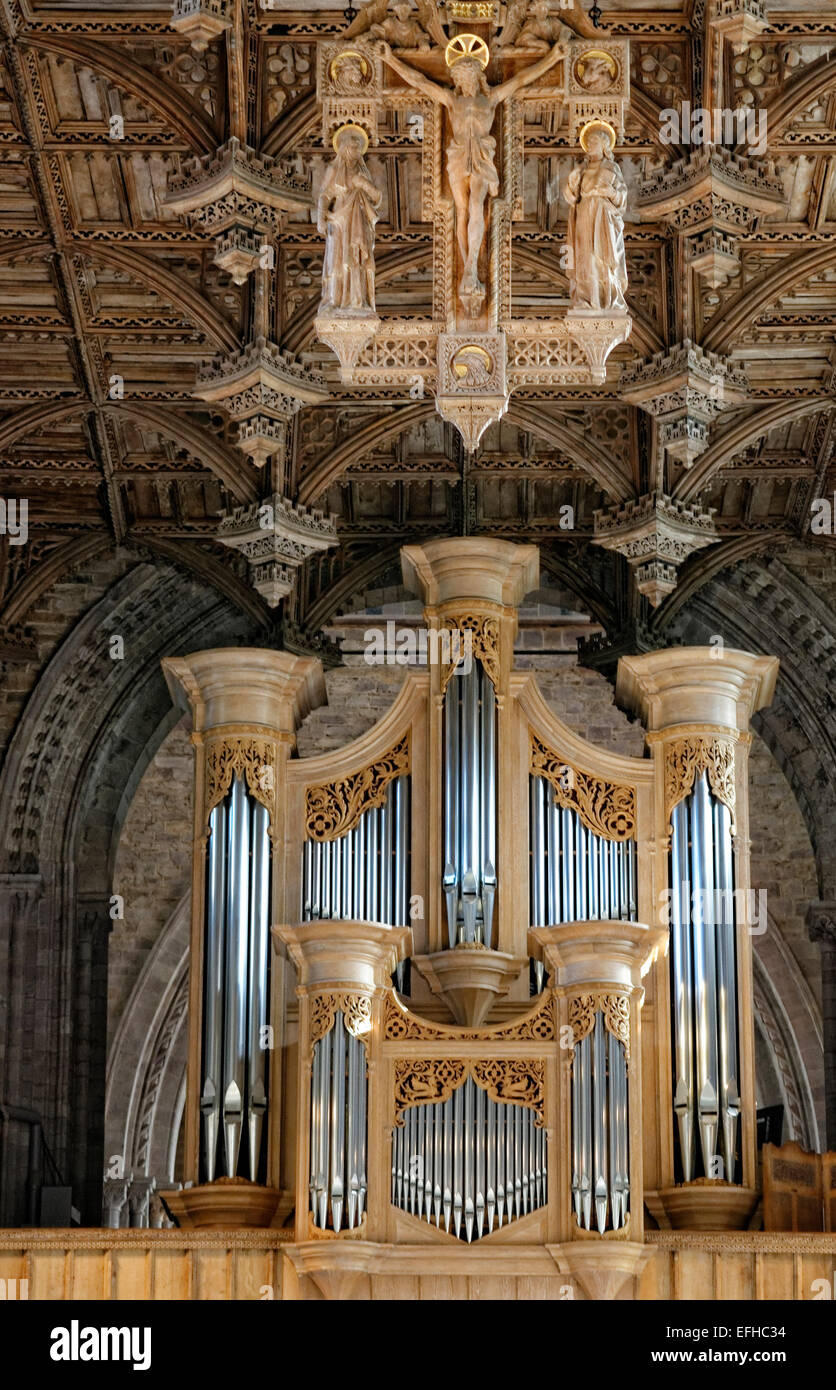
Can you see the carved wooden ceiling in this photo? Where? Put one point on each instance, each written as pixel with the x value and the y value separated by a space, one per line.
pixel 109 303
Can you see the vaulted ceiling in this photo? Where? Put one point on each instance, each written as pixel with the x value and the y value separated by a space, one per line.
pixel 109 303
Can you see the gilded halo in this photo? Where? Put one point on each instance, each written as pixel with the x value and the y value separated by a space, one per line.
pixel 467 46
pixel 350 125
pixel 591 126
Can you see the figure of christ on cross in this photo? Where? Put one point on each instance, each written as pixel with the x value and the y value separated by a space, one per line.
pixel 471 154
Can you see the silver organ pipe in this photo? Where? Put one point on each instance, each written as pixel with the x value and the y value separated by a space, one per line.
pixel 600 1183
pixel 259 960
pixel 575 875
pixel 213 983
pixel 236 983
pixel 704 980
pixel 488 805
pixel 726 984
pixel 362 876
pixel 683 1090
pixel 338 1136
pixel 469 876
pixel 235 992
pixel 482 1161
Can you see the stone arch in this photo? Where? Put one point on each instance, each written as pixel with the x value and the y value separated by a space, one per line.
pixel 796 1048
pixel 748 302
pixel 150 87
pixel 86 734
pixel 147 1059
pixel 749 429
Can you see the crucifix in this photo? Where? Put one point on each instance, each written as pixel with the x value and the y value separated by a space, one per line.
pixel 473 353
pixel 471 152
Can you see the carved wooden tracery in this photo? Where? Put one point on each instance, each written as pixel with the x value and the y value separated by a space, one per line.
pixel 606 808
pixel 334 808
pixel 538 1026
pixel 507 1080
pixel 616 1010
pixel 251 757
pixel 485 643
pixel 356 1008
pixel 687 758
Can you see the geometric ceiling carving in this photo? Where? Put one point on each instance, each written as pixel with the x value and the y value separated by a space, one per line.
pixel 110 303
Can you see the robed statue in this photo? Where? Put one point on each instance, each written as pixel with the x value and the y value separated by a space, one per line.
pixel 471 153
pixel 347 214
pixel 597 196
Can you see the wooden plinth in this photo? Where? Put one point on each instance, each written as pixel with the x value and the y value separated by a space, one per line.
pixel 228 1202
pixel 708 1205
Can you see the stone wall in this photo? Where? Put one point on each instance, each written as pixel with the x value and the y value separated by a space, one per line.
pixel 153 865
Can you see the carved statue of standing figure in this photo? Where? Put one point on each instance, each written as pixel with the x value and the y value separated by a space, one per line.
pixel 347 214
pixel 471 154
pixel 597 196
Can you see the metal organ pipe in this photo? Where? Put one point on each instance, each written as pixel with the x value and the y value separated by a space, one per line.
pixel 362 875
pixel 469 876
pixel 726 985
pixel 469 1163
pixel 683 1002
pixel 600 1134
pixel 703 964
pixel 705 970
pixel 235 1000
pixel 213 984
pixel 338 1138
pixel 488 804
pixel 259 963
pixel 575 874
pixel 236 981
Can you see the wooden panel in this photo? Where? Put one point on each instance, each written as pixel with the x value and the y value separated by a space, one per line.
pixel 172 1274
pixel 211 1269
pixel 538 1290
pixel 437 1287
pixel 12 1265
pixel 170 1265
pixel 734 1276
pixel 655 1278
pixel 253 1271
pixel 91 1269
pixel 792 1189
pixel 47 1274
pixel 814 1270
pixel 131 1274
pixel 696 1274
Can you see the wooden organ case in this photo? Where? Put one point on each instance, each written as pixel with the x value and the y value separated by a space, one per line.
pixel 508 1005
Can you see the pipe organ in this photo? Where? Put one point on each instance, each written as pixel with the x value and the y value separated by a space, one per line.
pixel 469 879
pixel 469 1163
pixel 338 1136
pixel 573 1043
pixel 704 983
pixel 233 1095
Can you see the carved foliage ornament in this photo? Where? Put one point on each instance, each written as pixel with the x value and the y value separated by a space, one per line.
pixel 537 1026
pixel 483 642
pixel 251 758
pixel 607 809
pixel 614 1007
pixel 687 758
pixel 510 1081
pixel 334 808
pixel 357 1009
